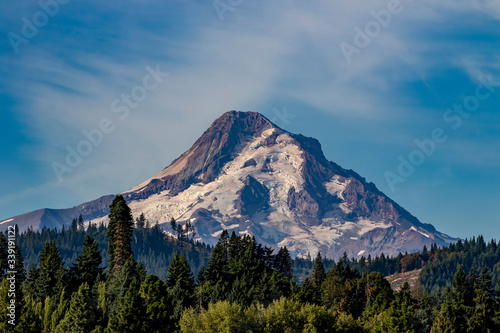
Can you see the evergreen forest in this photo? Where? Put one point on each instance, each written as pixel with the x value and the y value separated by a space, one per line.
pixel 132 276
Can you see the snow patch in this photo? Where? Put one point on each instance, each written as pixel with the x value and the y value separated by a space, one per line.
pixel 420 232
pixel 363 226
pixel 354 238
pixel 6 221
pixel 424 234
pixel 361 252
pixel 336 186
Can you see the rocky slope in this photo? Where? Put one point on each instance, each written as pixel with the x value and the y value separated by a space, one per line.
pixel 247 175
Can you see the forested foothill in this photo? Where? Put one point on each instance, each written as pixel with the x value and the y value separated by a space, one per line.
pixel 132 276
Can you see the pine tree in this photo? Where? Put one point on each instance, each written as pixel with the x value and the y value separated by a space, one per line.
pixel 283 263
pixel 120 231
pixel 119 283
pixel 102 306
pixel 157 305
pixel 80 222
pixel 140 222
pixel 191 230
pixel 74 225
pixel 180 284
pixel 218 265
pixel 424 314
pixel 481 319
pixel 202 276
pixel 484 283
pixel 51 274
pixel 450 319
pixel 453 314
pixel 81 316
pixel 31 281
pixel 130 313
pixel 86 268
pixel 471 282
pixel 425 254
pixel 54 315
pixel 318 275
pixel 404 308
pixel 306 292
pixel 179 272
pixel 29 319
pixel 174 227
pixel 461 287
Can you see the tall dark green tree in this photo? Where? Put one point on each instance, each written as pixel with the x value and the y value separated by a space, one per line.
pixel 483 282
pixel 174 226
pixel 318 274
pixel 80 222
pixel 482 315
pixel 462 289
pixel 87 266
pixel 74 225
pixel 180 284
pixel 50 275
pixel 140 222
pixel 120 232
pixel 283 262
pixel 157 305
pixel 81 316
pixel 306 293
pixel 218 265
pixel 453 314
pixel 471 282
pixel 130 314
pixel 119 283
pixel 180 273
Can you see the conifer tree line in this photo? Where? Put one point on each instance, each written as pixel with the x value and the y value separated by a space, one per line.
pixel 150 245
pixel 243 287
pixel 438 264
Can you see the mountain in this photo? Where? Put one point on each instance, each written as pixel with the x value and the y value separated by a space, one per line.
pixel 247 175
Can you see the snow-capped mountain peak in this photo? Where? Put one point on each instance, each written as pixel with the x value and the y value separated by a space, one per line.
pixel 247 175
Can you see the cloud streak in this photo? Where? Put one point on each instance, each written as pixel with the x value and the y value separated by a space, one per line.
pixel 263 55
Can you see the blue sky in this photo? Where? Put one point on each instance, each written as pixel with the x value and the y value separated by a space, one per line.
pixel 285 59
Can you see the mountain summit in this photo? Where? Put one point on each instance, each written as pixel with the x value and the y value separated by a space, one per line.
pixel 247 175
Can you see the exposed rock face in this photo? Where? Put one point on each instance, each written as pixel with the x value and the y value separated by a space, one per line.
pixel 248 175
pixel 254 197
